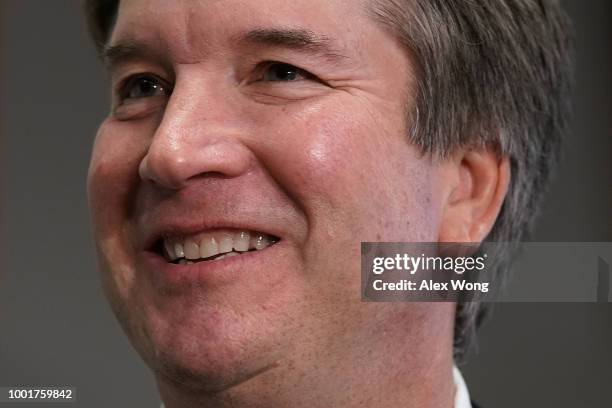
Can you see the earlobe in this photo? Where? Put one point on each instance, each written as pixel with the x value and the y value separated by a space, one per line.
pixel 477 185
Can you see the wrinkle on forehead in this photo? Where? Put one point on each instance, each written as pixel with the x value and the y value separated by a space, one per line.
pixel 181 25
pixel 171 26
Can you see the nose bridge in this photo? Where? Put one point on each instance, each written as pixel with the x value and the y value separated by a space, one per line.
pixel 198 134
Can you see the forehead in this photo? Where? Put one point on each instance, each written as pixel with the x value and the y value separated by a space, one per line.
pixel 187 25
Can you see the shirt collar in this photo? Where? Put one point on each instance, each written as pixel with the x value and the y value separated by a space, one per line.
pixel 462 396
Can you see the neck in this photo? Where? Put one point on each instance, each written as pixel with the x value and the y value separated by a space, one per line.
pixel 399 369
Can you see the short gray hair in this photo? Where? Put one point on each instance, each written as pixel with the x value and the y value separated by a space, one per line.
pixel 493 74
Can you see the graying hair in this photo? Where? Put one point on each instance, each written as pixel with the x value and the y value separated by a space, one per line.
pixel 493 74
pixel 490 73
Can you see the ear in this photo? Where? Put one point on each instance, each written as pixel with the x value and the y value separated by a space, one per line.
pixel 474 185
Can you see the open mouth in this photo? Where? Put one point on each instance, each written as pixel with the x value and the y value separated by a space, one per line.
pixel 212 245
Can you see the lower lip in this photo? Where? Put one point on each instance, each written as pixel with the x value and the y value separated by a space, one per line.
pixel 208 273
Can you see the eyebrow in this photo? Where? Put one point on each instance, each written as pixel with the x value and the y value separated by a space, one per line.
pixel 295 39
pixel 112 54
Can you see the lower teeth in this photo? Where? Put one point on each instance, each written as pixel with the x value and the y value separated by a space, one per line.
pixel 184 261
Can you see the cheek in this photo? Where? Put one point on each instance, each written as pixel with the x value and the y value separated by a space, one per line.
pixel 111 184
pixel 352 175
pixel 311 150
pixel 113 171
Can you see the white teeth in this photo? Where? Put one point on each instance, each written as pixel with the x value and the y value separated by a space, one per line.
pixel 226 243
pixel 208 247
pixel 185 262
pixel 192 250
pixel 241 241
pixel 260 242
pixel 178 250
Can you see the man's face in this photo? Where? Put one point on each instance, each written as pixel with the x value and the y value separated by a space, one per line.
pixel 280 121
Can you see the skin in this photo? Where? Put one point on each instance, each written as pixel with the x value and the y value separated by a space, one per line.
pixel 320 161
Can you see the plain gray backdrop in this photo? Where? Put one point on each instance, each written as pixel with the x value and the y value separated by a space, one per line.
pixel 56 328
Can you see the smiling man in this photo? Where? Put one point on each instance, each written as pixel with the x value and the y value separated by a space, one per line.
pixel 253 144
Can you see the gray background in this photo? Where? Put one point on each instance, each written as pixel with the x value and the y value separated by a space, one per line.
pixel 56 328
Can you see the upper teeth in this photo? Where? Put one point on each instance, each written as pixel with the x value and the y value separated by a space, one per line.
pixel 207 244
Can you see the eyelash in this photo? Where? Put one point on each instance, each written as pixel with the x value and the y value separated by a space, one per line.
pixel 125 86
pixel 263 66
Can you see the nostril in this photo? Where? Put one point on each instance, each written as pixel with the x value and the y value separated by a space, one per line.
pixel 171 162
pixel 216 174
pixel 164 172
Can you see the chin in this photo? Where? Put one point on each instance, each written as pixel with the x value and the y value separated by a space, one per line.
pixel 211 333
pixel 207 359
pixel 208 348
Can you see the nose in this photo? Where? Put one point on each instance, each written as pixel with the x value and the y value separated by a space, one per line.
pixel 199 135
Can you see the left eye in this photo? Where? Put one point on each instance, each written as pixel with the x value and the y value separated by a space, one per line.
pixel 281 72
pixel 143 87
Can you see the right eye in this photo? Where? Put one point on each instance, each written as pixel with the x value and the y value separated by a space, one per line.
pixel 143 87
